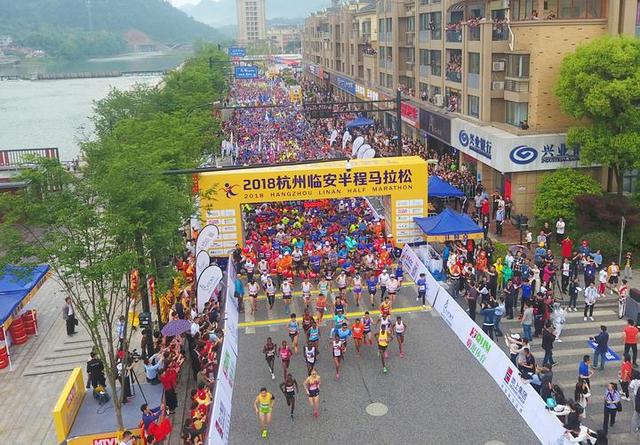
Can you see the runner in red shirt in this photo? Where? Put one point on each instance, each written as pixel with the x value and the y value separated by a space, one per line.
pixel 357 331
pixel 631 340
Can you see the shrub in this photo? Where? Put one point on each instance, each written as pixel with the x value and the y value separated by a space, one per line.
pixel 608 243
pixel 557 194
pixel 500 250
pixel 598 213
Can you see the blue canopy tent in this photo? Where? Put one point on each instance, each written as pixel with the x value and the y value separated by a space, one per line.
pixel 17 287
pixel 359 121
pixel 439 188
pixel 448 226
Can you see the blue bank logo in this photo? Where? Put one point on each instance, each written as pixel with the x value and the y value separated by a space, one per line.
pixel 523 154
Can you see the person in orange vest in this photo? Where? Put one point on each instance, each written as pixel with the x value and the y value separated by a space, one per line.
pixel 455 272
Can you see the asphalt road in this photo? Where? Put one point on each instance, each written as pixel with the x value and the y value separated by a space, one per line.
pixel 437 394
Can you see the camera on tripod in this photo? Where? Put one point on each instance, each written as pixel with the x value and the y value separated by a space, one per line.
pixel 135 355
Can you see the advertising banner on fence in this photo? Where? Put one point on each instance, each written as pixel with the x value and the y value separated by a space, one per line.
pixel 220 422
pixel 207 283
pixel 522 396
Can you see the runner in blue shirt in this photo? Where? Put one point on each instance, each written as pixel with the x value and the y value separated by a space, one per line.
pixel 421 282
pixel 372 286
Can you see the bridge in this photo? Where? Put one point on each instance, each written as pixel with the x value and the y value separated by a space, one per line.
pixel 82 75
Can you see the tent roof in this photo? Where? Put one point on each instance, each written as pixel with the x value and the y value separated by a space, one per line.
pixel 439 188
pixel 16 283
pixel 359 121
pixel 448 225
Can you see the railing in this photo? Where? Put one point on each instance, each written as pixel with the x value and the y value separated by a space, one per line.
pixel 423 36
pixel 474 33
pixel 436 34
pixel 425 70
pixel 454 36
pixel 454 76
pixel 516 85
pixel 499 32
pixel 15 158
pixel 436 70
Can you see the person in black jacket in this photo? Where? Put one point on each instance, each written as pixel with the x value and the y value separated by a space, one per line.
pixel 95 372
pixel 602 339
pixel 548 337
pixel 573 294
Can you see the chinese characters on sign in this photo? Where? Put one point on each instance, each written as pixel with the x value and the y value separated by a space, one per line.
pixel 560 153
pixel 409 113
pixel 344 179
pixel 514 390
pixel 475 143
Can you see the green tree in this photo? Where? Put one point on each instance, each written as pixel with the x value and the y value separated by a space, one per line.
pixel 556 197
pixel 58 220
pixel 600 86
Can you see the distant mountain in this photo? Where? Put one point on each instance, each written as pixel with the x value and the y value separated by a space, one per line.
pixel 223 12
pixel 34 21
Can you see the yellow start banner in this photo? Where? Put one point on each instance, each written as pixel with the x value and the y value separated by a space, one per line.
pixel 402 179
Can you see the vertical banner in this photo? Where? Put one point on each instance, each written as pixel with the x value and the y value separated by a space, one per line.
pixel 207 283
pixel 203 260
pixel 207 237
pixel 220 421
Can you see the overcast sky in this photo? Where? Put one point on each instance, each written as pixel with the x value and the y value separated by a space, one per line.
pixel 183 2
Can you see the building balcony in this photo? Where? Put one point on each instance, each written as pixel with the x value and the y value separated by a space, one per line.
pixel 500 32
pixel 454 76
pixel 473 81
pixel 436 70
pixel 424 70
pixel 454 36
pixel 473 33
pixel 516 84
pixel 410 39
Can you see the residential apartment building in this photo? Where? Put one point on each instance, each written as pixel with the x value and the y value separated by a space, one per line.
pixel 479 75
pixel 252 21
pixel 284 38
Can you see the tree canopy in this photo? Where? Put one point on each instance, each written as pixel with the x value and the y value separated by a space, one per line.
pixel 122 212
pixel 557 194
pixel 600 86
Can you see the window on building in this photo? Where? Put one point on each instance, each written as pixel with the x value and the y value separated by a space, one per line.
pixel 423 20
pixel 518 65
pixel 389 81
pixel 516 112
pixel 474 63
pixel 435 60
pixel 411 23
pixel 435 25
pixel 473 106
pixel 389 25
pixel 424 57
pixel 382 79
pixel 381 25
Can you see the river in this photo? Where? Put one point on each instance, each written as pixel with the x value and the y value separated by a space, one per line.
pixel 55 113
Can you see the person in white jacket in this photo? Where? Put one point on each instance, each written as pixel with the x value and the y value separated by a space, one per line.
pixel 559 318
pixel 590 297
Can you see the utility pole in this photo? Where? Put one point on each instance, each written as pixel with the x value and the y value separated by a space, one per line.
pixel 399 121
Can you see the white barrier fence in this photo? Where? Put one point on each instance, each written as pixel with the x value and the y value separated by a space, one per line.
pixel 220 420
pixel 544 424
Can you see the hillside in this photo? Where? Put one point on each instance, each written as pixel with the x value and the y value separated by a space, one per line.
pixel 223 12
pixel 69 28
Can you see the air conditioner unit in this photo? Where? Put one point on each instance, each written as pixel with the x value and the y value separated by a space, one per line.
pixel 497 86
pixel 439 100
pixel 498 66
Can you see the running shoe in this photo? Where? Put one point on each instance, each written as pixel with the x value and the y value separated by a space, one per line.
pixel 384 369
pixel 264 434
pixel 316 414
pixel 337 376
pixel 591 318
pixel 273 377
pixel 402 355
pixel 417 298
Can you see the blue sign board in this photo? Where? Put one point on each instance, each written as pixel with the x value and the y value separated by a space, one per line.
pixel 246 72
pixel 237 52
pixel 346 85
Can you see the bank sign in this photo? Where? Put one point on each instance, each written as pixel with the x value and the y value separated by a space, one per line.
pixel 507 152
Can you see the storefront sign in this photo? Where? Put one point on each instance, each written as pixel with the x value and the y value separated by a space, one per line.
pixel 509 153
pixel 401 179
pixel 372 94
pixel 475 143
pixel 436 125
pixel 361 91
pixel 409 114
pixel 346 85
